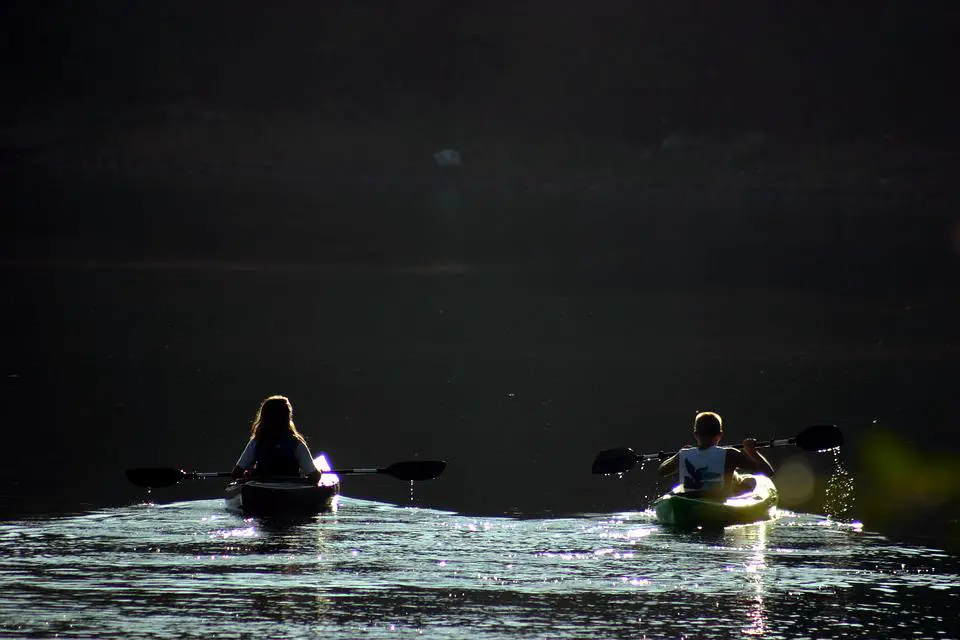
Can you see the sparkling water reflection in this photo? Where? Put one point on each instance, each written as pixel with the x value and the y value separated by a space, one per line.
pixel 376 570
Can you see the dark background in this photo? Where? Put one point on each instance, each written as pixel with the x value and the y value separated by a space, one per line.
pixel 663 207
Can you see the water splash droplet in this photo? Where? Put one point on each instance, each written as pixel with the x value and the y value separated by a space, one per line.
pixel 840 499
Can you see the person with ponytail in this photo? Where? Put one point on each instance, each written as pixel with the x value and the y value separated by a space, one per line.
pixel 276 447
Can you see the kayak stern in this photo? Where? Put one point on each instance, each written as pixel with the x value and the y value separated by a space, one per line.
pixel 682 512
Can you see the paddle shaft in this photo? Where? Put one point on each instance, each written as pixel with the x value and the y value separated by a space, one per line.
pixel 201 475
pixel 821 437
pixel 779 442
pixel 414 470
pixel 662 455
pixel 783 442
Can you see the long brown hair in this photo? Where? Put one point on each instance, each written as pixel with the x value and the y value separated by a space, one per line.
pixel 274 419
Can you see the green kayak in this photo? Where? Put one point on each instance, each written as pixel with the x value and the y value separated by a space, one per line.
pixel 685 512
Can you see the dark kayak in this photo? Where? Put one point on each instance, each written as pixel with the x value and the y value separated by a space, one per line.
pixel 285 497
pixel 677 510
pixel 281 497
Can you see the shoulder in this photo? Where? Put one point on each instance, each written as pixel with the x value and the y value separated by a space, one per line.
pixel 734 453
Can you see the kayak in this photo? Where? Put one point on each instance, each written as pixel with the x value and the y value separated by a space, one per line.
pixel 758 504
pixel 280 497
pixel 286 496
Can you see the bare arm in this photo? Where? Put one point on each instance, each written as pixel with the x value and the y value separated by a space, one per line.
pixel 245 461
pixel 307 466
pixel 670 466
pixel 754 459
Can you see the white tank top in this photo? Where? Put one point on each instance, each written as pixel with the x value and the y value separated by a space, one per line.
pixel 702 469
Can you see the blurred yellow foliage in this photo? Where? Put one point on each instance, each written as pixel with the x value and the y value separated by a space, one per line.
pixel 896 474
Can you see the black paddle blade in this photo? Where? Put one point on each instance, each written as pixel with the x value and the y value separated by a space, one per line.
pixel 153 478
pixel 619 460
pixel 821 437
pixel 416 470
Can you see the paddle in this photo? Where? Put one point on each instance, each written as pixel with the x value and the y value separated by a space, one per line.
pixel 410 470
pixel 820 437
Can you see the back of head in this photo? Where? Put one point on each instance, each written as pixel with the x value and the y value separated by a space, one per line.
pixel 276 409
pixel 274 419
pixel 708 423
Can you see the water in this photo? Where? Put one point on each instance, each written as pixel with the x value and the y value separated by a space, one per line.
pixel 513 336
pixel 375 570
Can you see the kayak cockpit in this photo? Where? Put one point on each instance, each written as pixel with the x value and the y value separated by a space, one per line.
pixel 285 495
pixel 686 509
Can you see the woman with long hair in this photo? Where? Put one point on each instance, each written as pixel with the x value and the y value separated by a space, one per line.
pixel 276 447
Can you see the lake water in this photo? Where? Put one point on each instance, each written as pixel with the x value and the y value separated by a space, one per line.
pixel 513 335
pixel 375 570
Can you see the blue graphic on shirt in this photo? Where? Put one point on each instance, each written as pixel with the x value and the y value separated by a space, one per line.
pixel 698 478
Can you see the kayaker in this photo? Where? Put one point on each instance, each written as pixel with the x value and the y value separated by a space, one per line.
pixel 276 447
pixel 709 469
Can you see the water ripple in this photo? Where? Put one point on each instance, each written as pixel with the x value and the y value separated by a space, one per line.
pixel 380 571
